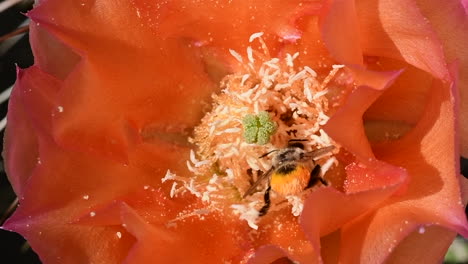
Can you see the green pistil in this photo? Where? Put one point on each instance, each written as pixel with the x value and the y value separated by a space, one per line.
pixel 258 128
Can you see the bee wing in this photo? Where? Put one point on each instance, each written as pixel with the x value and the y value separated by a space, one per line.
pixel 319 152
pixel 252 188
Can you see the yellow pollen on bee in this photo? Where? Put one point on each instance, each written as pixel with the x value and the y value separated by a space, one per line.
pixel 290 183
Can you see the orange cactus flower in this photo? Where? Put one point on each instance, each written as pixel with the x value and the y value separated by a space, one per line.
pixel 139 132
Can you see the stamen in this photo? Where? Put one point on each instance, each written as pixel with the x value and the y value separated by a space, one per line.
pixel 173 189
pixel 297 204
pixel 247 213
pixel 250 55
pixel 254 36
pixel 236 55
pixel 327 165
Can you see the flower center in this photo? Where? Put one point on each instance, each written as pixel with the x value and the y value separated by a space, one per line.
pixel 268 106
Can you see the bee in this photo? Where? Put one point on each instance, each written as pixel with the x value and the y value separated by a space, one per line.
pixel 293 170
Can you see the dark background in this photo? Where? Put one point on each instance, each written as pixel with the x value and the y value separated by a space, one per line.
pixel 12 245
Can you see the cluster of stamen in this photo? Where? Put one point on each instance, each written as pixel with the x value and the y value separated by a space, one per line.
pixel 224 164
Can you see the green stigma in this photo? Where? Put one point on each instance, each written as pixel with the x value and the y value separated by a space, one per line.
pixel 258 128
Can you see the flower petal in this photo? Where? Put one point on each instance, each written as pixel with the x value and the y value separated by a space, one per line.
pixel 163 226
pixel 410 90
pixel 210 239
pixel 284 237
pixel 330 247
pixel 103 118
pixel 339 27
pixel 433 195
pixel 314 52
pixel 388 30
pixel 228 24
pixel 385 130
pixel 350 114
pixel 279 231
pixel 373 175
pixel 323 209
pixel 425 245
pixel 56 185
pixel 20 143
pixel 450 21
pixel 51 55
pixel 266 255
pixel 57 241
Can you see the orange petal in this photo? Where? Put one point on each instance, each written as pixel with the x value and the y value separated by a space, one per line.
pixel 55 240
pixel 284 237
pixel 211 238
pixel 410 90
pixel 266 255
pixel 349 116
pixel 330 247
pixel 339 26
pixel 385 130
pixel 95 101
pixel 433 196
pixel 163 226
pixel 388 30
pixel 51 55
pixel 63 178
pixel 314 52
pixel 372 174
pixel 227 24
pixel 21 142
pixel 450 22
pixel 153 204
pixel 428 245
pixel 56 185
pixel 323 209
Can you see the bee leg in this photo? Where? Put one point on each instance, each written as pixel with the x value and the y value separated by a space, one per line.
pixel 265 208
pixel 312 183
pixel 315 178
pixel 323 181
pixel 250 174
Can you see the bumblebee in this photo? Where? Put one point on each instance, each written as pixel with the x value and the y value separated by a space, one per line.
pixel 293 170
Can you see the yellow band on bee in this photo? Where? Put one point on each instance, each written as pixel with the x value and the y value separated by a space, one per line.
pixel 290 181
